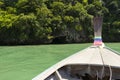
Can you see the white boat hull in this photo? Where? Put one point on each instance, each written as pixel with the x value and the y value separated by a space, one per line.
pixel 96 62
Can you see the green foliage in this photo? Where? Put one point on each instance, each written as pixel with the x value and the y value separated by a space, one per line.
pixel 28 6
pixel 31 29
pixel 11 10
pixel 44 16
pixel 69 19
pixel 10 2
pixel 116 23
pixel 58 8
pixel 76 11
pixel 42 21
pixel 1 4
pixel 112 31
pixel 96 9
pixel 6 19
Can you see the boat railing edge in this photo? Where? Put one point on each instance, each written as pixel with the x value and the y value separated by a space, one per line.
pixel 113 50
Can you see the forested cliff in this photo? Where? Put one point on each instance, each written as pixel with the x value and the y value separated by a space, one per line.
pixel 57 21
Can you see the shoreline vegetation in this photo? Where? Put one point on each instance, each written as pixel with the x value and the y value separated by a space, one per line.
pixel 57 21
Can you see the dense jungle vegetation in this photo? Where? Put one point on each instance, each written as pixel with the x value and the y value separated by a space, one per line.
pixel 57 21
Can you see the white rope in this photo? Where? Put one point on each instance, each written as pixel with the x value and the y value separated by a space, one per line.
pixel 103 69
pixel 110 69
pixel 97 75
pixel 110 72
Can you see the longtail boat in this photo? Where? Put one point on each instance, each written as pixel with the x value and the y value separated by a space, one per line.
pixel 96 62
